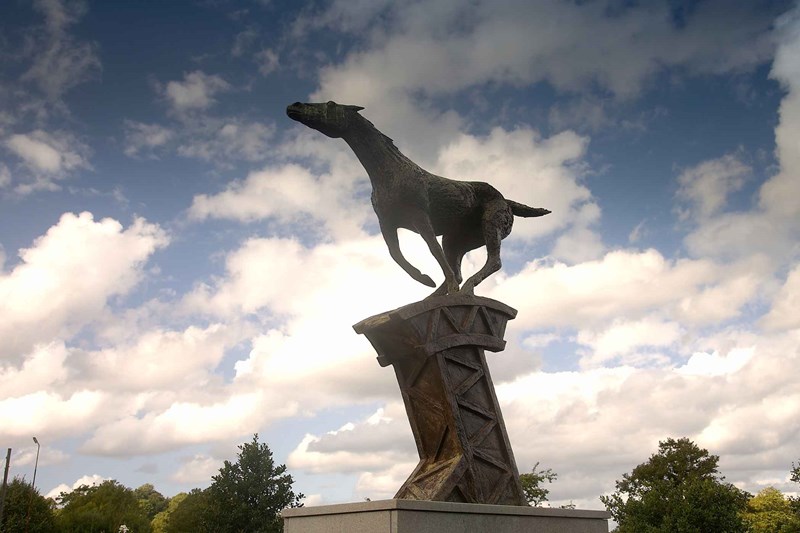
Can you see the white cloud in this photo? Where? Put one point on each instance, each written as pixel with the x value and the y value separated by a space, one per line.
pixel 197 469
pixel 140 137
pixel 706 186
pixel 41 369
pixel 514 42
pixel 291 195
pixel 47 157
pixel 621 338
pixel 54 413
pixel 216 140
pixel 89 480
pixel 161 359
pixel 220 140
pixel 5 179
pixel 785 311
pixel 381 439
pixel 571 421
pixel 526 168
pixel 38 154
pixel 47 456
pixel 781 194
pixel 60 61
pixel 580 242
pixel 66 277
pixel 771 227
pixel 622 283
pixel 713 364
pixel 382 484
pixel 267 61
pixel 187 422
pixel 195 92
pixel 243 41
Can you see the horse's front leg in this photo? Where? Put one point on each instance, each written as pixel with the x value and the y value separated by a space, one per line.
pixel 389 233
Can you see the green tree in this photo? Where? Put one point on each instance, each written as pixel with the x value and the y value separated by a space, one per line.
pixel 189 514
pixel 159 522
pixel 152 501
pixel 794 475
pixel 532 482
pixel 770 512
pixel 247 496
pixel 678 490
pixel 103 507
pixel 20 497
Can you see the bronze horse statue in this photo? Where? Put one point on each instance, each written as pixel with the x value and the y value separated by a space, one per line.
pixel 467 214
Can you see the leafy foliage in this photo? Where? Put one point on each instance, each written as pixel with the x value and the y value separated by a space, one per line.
pixel 189 514
pixel 794 475
pixel 770 512
pixel 151 501
pixel 160 521
pixel 678 489
pixel 20 496
pixel 247 496
pixel 532 487
pixel 104 507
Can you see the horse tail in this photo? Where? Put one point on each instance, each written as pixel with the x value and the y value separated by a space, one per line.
pixel 522 210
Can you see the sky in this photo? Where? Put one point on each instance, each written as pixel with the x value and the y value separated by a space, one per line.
pixel 181 264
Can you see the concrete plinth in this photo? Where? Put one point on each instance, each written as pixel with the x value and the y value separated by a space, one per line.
pixel 414 516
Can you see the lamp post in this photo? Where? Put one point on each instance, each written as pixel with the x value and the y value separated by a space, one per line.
pixel 36 464
pixel 33 485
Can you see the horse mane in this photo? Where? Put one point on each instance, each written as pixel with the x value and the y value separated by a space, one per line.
pixel 387 141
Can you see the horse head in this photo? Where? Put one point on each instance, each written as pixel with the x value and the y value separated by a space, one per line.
pixel 329 118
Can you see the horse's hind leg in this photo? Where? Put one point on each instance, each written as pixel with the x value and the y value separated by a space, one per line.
pixel 496 224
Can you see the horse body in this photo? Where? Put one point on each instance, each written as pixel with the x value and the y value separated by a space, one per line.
pixel 466 214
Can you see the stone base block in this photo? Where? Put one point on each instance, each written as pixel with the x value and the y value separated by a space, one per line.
pixel 412 516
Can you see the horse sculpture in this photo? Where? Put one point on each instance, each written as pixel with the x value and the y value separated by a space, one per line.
pixel 467 214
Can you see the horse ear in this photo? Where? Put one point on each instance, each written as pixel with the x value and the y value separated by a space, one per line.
pixel 354 107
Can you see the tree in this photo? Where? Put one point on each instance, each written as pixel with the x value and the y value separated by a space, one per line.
pixel 189 514
pixel 677 490
pixel 20 497
pixel 794 475
pixel 152 501
pixel 532 487
pixel 103 507
pixel 247 496
pixel 159 522
pixel 770 512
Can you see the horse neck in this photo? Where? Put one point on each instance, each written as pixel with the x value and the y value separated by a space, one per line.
pixel 376 152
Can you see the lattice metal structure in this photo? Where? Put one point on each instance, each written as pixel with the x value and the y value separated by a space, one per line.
pixel 436 347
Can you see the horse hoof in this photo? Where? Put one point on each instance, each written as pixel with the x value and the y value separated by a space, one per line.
pixel 426 280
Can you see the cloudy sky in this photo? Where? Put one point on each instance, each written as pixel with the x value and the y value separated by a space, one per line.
pixel 181 264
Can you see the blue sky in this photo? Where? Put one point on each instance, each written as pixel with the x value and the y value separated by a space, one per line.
pixel 180 263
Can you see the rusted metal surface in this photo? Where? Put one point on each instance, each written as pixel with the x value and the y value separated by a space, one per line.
pixel 436 347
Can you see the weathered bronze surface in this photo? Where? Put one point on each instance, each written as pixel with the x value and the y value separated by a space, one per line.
pixel 466 214
pixel 436 347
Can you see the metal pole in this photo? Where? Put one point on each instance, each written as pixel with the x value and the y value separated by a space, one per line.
pixel 5 484
pixel 36 465
pixel 33 486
